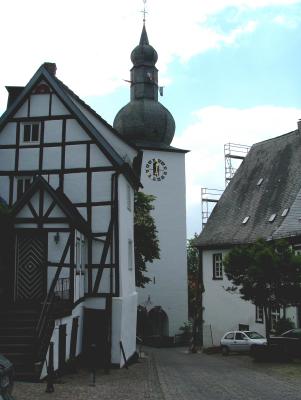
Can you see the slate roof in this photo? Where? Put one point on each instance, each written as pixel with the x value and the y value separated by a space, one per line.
pixel 278 162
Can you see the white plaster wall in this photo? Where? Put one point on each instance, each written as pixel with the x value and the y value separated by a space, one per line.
pixel 8 133
pixel 74 131
pixel 170 272
pixel 75 187
pixel 53 131
pixel 126 233
pixel 101 186
pixel 28 159
pixel 124 314
pixel 75 156
pixel 101 216
pixel 223 310
pixel 7 159
pixel 52 158
pixel 39 105
pixel 57 107
pixel 97 158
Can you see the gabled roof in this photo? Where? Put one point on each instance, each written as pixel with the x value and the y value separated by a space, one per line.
pixel 278 163
pixel 71 212
pixel 64 95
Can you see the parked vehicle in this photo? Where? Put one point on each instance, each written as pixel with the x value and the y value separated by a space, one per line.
pixel 241 341
pixel 287 345
pixel 6 379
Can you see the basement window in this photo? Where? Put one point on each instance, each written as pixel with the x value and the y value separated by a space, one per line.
pixel 285 212
pixel 246 219
pixel 260 182
pixel 272 217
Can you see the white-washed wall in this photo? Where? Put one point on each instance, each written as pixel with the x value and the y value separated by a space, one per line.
pixel 168 286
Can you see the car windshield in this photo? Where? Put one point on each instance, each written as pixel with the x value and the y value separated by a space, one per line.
pixel 254 335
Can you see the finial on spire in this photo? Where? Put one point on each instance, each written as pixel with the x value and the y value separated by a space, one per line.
pixel 144 10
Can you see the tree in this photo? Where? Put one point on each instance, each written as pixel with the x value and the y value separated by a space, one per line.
pixel 195 289
pixel 266 273
pixel 145 236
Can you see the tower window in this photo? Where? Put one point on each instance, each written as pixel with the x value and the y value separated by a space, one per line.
pixel 31 133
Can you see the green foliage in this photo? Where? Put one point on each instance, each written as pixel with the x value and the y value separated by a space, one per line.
pixel 194 284
pixel 283 325
pixel 145 236
pixel 266 273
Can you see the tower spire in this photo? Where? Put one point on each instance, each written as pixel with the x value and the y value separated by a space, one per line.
pixel 144 11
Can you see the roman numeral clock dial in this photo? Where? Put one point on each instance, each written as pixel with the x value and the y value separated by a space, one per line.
pixel 156 169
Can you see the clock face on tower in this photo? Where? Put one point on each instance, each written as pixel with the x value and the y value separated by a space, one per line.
pixel 156 169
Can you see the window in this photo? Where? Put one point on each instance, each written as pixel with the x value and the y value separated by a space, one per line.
pixel 230 335
pixel 275 316
pixel 130 254
pixel 22 185
pixel 31 132
pixel 129 198
pixel 218 266
pixel 240 336
pixel 259 314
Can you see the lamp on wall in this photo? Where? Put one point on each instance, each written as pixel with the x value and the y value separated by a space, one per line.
pixel 57 237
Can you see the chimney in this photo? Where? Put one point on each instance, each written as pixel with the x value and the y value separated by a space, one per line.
pixel 299 126
pixel 51 67
pixel 13 93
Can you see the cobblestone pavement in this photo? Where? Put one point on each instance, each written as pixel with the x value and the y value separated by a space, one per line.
pixel 178 375
pixel 139 382
pixel 185 376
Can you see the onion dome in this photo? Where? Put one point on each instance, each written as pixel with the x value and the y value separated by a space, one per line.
pixel 144 120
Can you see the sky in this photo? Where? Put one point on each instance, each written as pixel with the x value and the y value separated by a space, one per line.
pixel 230 68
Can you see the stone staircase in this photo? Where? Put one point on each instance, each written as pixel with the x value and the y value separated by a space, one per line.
pixel 17 339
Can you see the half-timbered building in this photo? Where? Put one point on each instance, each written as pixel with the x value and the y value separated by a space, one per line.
pixel 69 180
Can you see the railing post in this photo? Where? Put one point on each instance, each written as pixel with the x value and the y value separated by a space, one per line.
pixel 50 370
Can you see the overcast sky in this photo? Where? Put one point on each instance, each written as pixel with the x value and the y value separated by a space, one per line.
pixel 231 68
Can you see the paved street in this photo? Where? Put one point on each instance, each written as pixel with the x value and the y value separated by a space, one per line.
pixel 167 374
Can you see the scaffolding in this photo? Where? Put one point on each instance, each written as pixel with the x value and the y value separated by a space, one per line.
pixel 234 154
pixel 209 197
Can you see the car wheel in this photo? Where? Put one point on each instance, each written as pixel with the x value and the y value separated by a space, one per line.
pixel 225 351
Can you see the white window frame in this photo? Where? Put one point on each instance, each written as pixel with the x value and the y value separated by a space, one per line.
pixel 30 141
pixel 275 316
pixel 217 259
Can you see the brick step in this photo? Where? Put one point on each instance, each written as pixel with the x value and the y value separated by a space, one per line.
pixel 23 323
pixel 17 331
pixel 16 348
pixel 26 339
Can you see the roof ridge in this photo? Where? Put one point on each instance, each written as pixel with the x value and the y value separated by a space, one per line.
pixel 275 138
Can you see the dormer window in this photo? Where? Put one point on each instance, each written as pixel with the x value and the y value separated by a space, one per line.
pixel 31 133
pixel 272 217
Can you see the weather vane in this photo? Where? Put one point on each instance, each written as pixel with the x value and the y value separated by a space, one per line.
pixel 144 10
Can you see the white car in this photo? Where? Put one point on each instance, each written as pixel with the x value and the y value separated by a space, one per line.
pixel 241 341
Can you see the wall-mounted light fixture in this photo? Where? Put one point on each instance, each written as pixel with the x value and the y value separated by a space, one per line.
pixel 57 237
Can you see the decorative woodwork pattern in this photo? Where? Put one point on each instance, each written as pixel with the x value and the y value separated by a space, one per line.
pixel 31 256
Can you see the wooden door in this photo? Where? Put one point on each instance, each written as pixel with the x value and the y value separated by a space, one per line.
pixel 30 268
